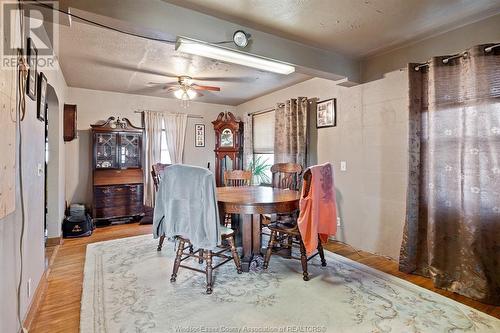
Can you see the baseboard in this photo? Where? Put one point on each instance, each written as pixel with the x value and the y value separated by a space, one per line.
pixel 41 289
pixel 36 302
pixel 54 241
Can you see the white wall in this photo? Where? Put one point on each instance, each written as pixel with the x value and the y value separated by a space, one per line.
pixel 448 42
pixel 371 136
pixel 96 105
pixel 33 154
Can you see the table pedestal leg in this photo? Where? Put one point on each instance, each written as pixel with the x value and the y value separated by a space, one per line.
pixel 250 238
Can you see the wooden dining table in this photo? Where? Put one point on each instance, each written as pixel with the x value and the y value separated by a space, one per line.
pixel 250 202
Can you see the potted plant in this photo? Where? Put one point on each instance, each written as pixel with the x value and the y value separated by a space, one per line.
pixel 259 168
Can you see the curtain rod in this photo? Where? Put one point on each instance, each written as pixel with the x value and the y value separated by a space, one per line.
pixel 166 112
pixel 490 48
pixel 269 109
pixel 464 54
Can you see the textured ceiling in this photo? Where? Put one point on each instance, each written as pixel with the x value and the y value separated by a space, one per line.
pixel 100 59
pixel 354 27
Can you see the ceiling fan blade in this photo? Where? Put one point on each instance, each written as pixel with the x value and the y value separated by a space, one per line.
pixel 152 84
pixel 199 94
pixel 209 88
pixel 170 89
pixel 224 79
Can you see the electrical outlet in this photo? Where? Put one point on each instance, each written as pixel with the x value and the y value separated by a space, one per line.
pixel 339 224
pixel 343 165
pixel 40 169
pixel 29 288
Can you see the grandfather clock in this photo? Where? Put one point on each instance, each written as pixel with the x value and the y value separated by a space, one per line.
pixel 228 145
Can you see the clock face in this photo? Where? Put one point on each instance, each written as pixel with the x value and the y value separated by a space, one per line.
pixel 240 38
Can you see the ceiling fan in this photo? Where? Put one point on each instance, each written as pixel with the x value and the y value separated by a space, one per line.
pixel 185 89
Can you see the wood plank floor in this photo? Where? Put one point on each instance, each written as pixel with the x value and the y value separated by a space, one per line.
pixel 60 310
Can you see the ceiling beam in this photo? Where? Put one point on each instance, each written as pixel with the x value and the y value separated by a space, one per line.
pixel 160 19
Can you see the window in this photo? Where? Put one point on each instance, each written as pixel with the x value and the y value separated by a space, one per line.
pixel 263 144
pixel 165 155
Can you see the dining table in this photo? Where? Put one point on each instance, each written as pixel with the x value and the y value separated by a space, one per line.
pixel 250 202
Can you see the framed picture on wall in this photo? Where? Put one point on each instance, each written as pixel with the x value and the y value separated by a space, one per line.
pixel 199 135
pixel 42 97
pixel 32 57
pixel 326 113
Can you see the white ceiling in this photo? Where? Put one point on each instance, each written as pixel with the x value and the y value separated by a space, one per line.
pixel 101 59
pixel 354 27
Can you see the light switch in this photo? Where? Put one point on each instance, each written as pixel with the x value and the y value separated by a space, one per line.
pixel 40 169
pixel 343 165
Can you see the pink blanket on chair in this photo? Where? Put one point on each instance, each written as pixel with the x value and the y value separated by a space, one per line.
pixel 318 211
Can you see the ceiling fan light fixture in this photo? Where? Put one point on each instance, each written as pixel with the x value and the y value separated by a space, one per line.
pixel 185 93
pixel 207 50
pixel 178 93
pixel 191 93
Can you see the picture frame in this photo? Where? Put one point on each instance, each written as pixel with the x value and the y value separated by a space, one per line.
pixel 42 97
pixel 32 59
pixel 326 113
pixel 199 135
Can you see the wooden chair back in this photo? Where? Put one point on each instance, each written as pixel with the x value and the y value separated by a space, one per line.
pixel 156 172
pixel 286 175
pixel 306 182
pixel 237 178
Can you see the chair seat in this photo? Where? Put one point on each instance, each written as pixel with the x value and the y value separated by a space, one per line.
pixel 289 227
pixel 282 218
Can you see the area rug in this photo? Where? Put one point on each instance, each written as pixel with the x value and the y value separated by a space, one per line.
pixel 127 289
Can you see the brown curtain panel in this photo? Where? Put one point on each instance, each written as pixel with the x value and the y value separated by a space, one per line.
pixel 452 229
pixel 290 135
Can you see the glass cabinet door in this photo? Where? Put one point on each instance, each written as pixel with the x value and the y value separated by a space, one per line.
pixel 130 150
pixel 105 150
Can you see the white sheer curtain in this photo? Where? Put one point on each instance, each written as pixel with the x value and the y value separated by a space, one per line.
pixel 175 129
pixel 153 122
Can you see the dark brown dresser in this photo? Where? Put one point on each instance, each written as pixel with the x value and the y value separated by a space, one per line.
pixel 118 177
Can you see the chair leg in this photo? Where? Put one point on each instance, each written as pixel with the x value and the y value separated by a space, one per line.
pixel 208 270
pixel 269 251
pixel 321 253
pixel 160 243
pixel 177 261
pixel 200 254
pixel 303 260
pixel 191 251
pixel 236 256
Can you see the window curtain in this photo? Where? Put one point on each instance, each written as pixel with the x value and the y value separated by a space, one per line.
pixel 452 228
pixel 153 122
pixel 290 128
pixel 248 141
pixel 175 130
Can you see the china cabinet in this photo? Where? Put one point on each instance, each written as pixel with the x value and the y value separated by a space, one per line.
pixel 118 185
pixel 228 145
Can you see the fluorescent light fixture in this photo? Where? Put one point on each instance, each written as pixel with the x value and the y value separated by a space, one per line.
pixel 203 49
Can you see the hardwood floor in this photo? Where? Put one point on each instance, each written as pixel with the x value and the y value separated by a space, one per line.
pixel 60 310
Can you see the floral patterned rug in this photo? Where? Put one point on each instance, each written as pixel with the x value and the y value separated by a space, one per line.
pixel 127 289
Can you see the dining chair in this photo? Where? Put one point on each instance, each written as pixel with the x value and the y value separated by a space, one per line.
pixel 186 209
pixel 156 173
pixel 290 229
pixel 284 176
pixel 227 235
pixel 235 178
